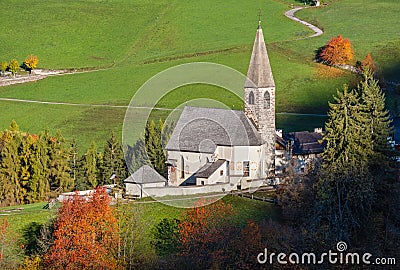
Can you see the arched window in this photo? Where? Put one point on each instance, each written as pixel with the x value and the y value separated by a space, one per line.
pixel 251 98
pixel 267 100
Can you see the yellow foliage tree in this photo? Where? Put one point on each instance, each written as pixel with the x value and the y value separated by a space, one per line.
pixel 3 67
pixel 13 67
pixel 31 62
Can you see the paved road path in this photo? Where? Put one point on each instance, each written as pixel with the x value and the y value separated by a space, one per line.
pixel 122 106
pixel 81 104
pixel 290 15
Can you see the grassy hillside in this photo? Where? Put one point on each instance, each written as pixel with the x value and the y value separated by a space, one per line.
pixel 134 41
pixel 25 223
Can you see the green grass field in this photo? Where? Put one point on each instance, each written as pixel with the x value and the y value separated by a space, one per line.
pixel 25 223
pixel 135 41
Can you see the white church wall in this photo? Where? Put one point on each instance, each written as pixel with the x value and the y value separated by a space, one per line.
pixel 246 153
pixel 136 189
pixel 191 163
pixel 188 190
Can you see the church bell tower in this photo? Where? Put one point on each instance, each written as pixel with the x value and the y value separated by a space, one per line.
pixel 259 100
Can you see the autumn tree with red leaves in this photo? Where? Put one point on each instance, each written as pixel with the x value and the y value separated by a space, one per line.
pixel 86 234
pixel 367 64
pixel 205 233
pixel 247 246
pixel 337 51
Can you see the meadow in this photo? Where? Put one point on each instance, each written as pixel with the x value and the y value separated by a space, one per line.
pixel 25 223
pixel 131 42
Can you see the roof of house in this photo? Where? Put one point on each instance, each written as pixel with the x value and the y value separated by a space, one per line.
pixel 209 168
pixel 396 130
pixel 305 142
pixel 202 129
pixel 145 174
pixel 259 73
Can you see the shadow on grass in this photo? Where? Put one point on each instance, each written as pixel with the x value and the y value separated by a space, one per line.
pixel 30 235
pixel 37 238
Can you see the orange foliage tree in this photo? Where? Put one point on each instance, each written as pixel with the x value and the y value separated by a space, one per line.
pixel 85 234
pixel 337 51
pixel 205 233
pixel 367 64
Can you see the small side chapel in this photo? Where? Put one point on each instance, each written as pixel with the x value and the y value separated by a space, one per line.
pixel 214 146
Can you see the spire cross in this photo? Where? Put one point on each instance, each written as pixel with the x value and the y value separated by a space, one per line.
pixel 259 17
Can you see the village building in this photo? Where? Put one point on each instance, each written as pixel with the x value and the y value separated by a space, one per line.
pixel 211 147
pixel 145 177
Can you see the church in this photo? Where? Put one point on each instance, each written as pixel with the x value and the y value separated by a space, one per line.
pixel 214 150
pixel 215 146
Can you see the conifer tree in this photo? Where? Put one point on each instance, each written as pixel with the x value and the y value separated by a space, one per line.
pixel 155 137
pixel 10 188
pixel 345 190
pixel 136 155
pixel 13 126
pixel 74 160
pixel 151 141
pixel 377 116
pixel 160 161
pixel 154 145
pixel 25 153
pixel 90 166
pixel 59 165
pixel 113 161
pixel 348 136
pixel 38 185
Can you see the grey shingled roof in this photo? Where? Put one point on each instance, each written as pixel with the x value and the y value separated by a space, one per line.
pixel 209 168
pixel 305 142
pixel 145 174
pixel 202 129
pixel 259 73
pixel 396 130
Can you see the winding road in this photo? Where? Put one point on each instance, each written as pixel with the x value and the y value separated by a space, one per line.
pixel 290 15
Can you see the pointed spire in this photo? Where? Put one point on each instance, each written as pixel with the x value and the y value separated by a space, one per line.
pixel 259 73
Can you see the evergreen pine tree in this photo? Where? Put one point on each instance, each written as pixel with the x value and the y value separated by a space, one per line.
pixel 345 190
pixel 151 141
pixel 59 165
pixel 136 156
pixel 160 160
pixel 13 126
pixel 378 120
pixel 25 153
pixel 348 137
pixel 74 160
pixel 154 148
pixel 90 166
pixel 10 188
pixel 113 161
pixel 38 187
